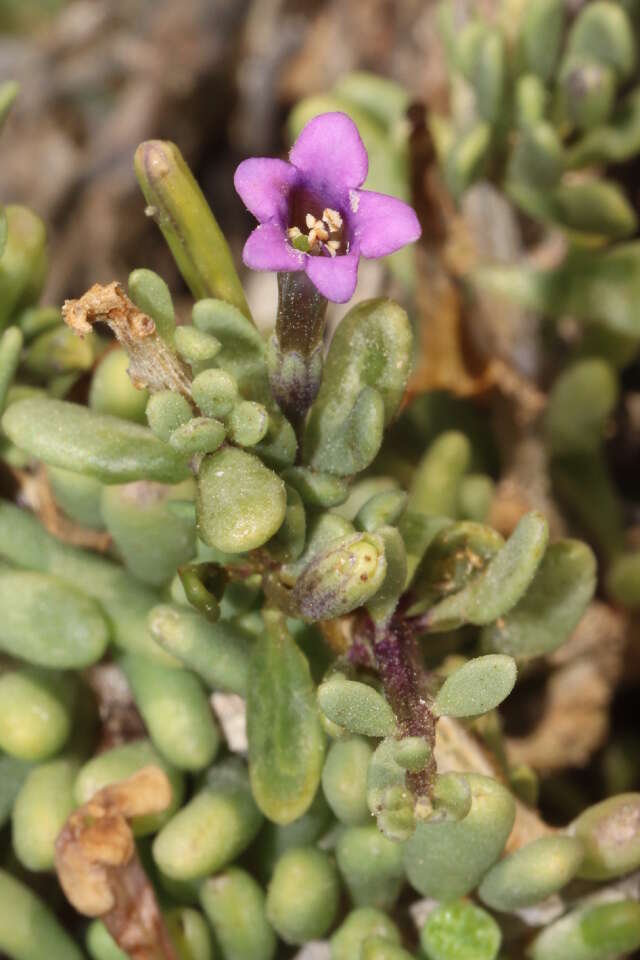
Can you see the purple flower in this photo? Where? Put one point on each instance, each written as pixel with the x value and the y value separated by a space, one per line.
pixel 312 214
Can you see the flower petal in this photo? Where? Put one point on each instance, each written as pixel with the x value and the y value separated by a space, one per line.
pixel 334 277
pixel 264 184
pixel 329 151
pixel 382 224
pixel 267 249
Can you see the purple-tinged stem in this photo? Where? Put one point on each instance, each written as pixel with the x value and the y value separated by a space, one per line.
pixel 404 681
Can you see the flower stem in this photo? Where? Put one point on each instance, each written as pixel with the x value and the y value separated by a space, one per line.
pixel 403 678
pixel 295 351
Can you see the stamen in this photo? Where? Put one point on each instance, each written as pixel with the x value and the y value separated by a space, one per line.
pixel 319 233
pixel 332 218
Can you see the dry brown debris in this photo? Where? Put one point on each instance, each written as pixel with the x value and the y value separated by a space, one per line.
pixel 99 869
pixel 152 364
pixel 578 694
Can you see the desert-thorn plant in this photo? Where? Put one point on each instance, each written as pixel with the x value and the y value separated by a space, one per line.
pixel 262 544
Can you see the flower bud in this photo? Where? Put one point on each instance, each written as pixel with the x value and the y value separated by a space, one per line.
pixel 343 577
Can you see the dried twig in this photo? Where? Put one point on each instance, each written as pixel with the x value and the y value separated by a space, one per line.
pixel 152 364
pixel 35 492
pixel 99 869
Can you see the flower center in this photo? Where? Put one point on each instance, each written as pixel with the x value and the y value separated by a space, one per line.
pixel 317 235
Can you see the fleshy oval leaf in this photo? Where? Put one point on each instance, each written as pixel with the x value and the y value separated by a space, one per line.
pixel 531 874
pixel 446 860
pixel 241 503
pixel 551 608
pixel 477 687
pixel 372 347
pixel 501 584
pixel 73 437
pixel 286 742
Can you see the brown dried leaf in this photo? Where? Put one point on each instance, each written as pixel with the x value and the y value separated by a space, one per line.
pixel 152 364
pixel 99 869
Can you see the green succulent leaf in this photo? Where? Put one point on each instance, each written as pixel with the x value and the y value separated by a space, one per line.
pixel 447 859
pixel 435 484
pixel 241 503
pixel 189 227
pixel 357 707
pixel 364 379
pixel 610 837
pixel 477 687
pixel 551 608
pixel 151 294
pixel 112 450
pixel 286 743
pixel 603 32
pixel 581 402
pixel 541 35
pixel 501 584
pixel 591 933
pixel 612 142
pixel 460 931
pixel 531 874
pixel 389 798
